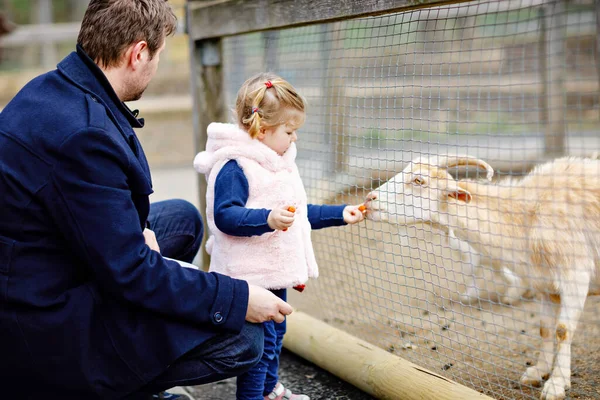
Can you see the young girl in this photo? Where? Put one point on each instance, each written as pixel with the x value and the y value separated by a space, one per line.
pixel 257 210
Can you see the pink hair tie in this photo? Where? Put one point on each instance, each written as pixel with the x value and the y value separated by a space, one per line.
pixel 269 84
pixel 254 110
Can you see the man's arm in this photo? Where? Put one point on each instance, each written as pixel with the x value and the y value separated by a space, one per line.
pixel 93 209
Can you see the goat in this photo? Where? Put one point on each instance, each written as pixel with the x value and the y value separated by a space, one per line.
pixel 545 225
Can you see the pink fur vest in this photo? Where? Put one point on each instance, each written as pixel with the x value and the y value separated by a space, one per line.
pixel 274 260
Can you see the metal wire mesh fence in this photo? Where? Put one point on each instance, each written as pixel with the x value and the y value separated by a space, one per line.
pixel 514 83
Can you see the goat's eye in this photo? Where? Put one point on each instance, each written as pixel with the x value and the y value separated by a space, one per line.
pixel 418 181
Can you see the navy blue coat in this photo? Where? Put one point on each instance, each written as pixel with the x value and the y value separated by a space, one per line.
pixel 85 305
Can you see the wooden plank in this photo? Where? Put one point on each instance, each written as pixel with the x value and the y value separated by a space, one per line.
pixel 209 106
pixel 219 18
pixel 369 368
pixel 40 33
pixel 555 15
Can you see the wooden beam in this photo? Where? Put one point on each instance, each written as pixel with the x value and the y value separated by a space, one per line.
pixel 221 18
pixel 369 368
pixel 27 34
pixel 209 106
pixel 555 138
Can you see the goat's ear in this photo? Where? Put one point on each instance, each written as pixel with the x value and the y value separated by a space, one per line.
pixel 458 193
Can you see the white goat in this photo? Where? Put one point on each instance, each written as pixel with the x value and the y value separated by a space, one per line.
pixel 546 225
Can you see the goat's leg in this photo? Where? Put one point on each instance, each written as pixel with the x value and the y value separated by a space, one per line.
pixel 472 293
pixel 473 261
pixel 535 374
pixel 515 289
pixel 572 301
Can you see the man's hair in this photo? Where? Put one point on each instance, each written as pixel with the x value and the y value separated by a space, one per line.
pixel 265 100
pixel 110 26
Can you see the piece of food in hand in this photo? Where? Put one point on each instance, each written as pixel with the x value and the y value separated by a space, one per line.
pixel 300 287
pixel 362 208
pixel 290 209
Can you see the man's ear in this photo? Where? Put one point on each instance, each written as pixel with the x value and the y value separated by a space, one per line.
pixel 137 54
pixel 458 193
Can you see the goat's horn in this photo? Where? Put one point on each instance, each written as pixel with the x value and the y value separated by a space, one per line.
pixel 454 161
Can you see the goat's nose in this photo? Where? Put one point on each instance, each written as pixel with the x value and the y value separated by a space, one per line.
pixel 371 196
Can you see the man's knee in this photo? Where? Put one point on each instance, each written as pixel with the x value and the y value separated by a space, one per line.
pixel 243 352
pixel 251 345
pixel 190 213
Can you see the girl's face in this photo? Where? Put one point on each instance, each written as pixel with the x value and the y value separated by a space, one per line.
pixel 279 138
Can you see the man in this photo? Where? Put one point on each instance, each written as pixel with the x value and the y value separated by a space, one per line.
pixel 89 308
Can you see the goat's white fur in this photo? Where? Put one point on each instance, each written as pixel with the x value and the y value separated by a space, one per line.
pixel 546 226
pixel 514 287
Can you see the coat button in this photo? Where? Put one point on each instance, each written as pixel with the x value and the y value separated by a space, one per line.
pixel 218 317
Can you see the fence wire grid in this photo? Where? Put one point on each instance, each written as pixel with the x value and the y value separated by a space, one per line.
pixel 513 83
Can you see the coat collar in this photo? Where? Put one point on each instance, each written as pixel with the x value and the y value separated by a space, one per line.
pixel 80 69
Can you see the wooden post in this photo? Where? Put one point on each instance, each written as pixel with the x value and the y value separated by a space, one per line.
pixel 597 6
pixel 554 78
pixel 369 368
pixel 271 43
pixel 335 98
pixel 48 48
pixel 77 8
pixel 543 67
pixel 207 92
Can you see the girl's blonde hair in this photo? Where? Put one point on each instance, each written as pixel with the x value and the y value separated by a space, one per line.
pixel 264 101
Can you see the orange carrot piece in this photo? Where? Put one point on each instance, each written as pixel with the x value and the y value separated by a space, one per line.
pixel 362 208
pixel 290 209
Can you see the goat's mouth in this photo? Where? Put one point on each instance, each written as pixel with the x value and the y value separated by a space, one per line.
pixel 380 215
pixel 373 215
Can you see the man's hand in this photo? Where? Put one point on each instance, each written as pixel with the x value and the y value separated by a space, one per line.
pixel 354 214
pixel 280 218
pixel 150 238
pixel 265 306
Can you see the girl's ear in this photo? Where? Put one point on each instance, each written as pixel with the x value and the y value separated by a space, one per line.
pixel 262 132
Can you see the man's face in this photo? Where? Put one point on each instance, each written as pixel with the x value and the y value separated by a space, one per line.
pixel 141 78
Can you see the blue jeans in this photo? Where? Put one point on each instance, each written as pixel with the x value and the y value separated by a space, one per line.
pixel 261 379
pixel 178 228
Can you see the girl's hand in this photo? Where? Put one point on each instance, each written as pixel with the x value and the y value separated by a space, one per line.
pixel 280 218
pixel 354 214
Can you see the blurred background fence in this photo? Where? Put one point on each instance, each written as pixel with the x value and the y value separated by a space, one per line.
pixel 46 31
pixel 512 82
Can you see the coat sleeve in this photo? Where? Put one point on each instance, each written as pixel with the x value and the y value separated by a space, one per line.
pixel 93 209
pixel 324 216
pixel 231 195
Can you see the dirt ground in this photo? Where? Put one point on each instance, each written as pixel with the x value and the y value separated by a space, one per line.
pixel 398 288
